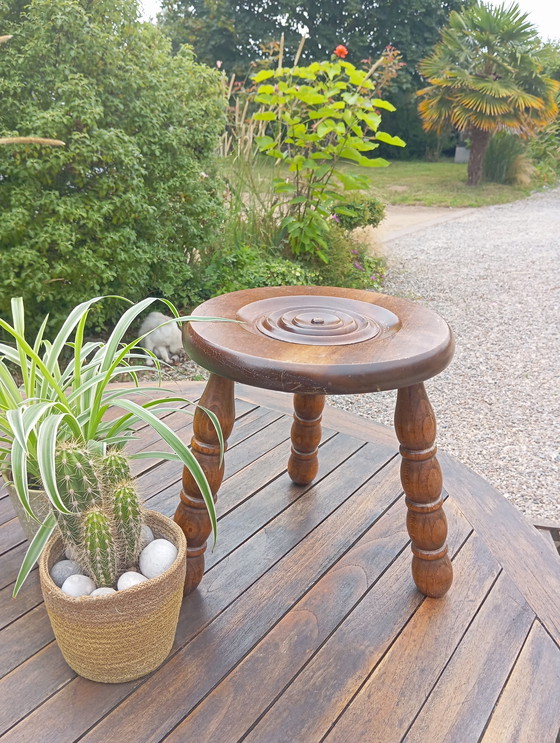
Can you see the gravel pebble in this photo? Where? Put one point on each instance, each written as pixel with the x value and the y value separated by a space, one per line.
pixel 494 275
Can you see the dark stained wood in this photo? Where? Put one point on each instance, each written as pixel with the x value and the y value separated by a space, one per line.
pixel 466 692
pixel 308 626
pixel 192 514
pixel 535 676
pixel 306 437
pixel 410 344
pixel 525 556
pixel 365 597
pixel 415 425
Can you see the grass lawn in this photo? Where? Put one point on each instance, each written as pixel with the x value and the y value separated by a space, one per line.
pixel 441 183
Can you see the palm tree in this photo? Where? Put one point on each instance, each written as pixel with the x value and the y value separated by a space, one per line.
pixel 485 75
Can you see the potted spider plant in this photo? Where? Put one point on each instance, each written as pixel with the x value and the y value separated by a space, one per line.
pixel 56 436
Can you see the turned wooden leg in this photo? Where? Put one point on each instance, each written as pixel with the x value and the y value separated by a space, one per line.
pixel 191 513
pixel 415 425
pixel 306 437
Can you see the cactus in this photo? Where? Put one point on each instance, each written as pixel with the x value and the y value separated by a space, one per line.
pixel 99 553
pixel 128 521
pixel 116 468
pixel 106 520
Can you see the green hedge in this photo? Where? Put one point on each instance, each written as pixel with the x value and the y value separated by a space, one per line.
pixel 130 202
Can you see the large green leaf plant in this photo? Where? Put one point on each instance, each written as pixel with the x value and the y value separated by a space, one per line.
pixel 51 392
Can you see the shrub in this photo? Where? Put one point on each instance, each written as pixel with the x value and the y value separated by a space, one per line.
pixel 127 205
pixel 319 116
pixel 544 150
pixel 361 210
pixel 349 263
pixel 235 267
pixel 506 160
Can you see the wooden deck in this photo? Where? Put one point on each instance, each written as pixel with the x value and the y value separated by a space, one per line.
pixel 307 626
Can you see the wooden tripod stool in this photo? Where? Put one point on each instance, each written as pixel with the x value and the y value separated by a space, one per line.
pixel 314 341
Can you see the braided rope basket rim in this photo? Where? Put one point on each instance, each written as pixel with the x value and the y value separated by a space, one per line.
pixel 122 636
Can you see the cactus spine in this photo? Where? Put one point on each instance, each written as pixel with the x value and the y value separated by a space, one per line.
pixel 106 518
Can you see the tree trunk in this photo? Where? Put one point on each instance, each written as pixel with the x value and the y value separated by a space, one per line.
pixel 479 143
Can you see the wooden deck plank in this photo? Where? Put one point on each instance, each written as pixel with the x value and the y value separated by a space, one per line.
pixel 264 506
pixel 466 692
pixel 27 686
pixel 340 420
pixel 377 567
pixel 536 676
pixel 29 596
pixel 406 672
pixel 11 534
pixel 24 638
pixel 514 542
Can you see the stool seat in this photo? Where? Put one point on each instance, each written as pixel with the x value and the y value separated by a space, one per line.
pixel 319 340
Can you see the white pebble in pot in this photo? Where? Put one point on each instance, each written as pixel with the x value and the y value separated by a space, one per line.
pixel 146 536
pixel 103 591
pixel 78 585
pixel 157 557
pixel 129 579
pixel 64 569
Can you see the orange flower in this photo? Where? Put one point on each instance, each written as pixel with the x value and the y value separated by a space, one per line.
pixel 341 51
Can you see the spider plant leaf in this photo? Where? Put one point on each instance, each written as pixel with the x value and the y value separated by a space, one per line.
pixel 216 423
pixel 46 445
pixel 169 455
pixel 18 315
pixel 18 466
pixel 177 446
pixel 34 551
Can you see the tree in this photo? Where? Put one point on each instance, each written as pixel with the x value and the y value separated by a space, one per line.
pixel 235 31
pixel 126 206
pixel 486 75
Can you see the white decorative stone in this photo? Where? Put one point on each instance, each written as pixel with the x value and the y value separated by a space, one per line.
pixel 78 585
pixel 129 579
pixel 146 536
pixel 64 569
pixel 103 591
pixel 157 557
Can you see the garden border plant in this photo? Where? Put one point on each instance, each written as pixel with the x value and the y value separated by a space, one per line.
pixel 319 116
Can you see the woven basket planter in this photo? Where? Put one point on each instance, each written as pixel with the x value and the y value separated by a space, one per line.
pixel 122 636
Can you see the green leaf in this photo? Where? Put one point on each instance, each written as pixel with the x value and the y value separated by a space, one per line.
pixel 263 75
pixel 265 116
pixel 34 551
pixel 388 139
pixel 264 143
pixel 46 444
pixel 376 162
pixel 378 103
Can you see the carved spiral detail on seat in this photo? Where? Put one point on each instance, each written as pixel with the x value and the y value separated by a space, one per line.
pixel 318 320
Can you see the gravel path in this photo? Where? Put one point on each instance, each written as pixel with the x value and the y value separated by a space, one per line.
pixel 494 275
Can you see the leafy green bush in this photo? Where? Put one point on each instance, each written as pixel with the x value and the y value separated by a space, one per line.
pixel 349 263
pixel 235 267
pixel 319 116
pixel 544 151
pixel 361 210
pixel 506 161
pixel 127 205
